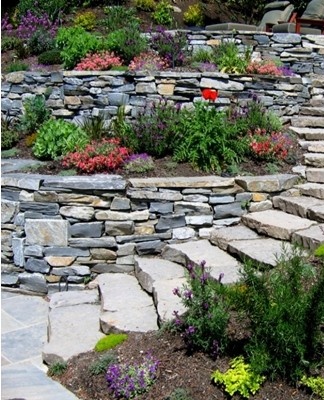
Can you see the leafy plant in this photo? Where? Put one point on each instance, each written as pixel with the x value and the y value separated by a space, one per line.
pixel 163 13
pixel 86 20
pixel 194 16
pixel 130 380
pixel 35 114
pixel 145 5
pixel 57 137
pixel 264 68
pixel 95 126
pixel 50 57
pixel 10 43
pixel 31 22
pixel 239 378
pixel 9 135
pixel 202 55
pixel 101 365
pixel 179 394
pixel 75 43
pixel 53 8
pixel 119 17
pixel 17 66
pixel 139 163
pixel 148 61
pixel 13 152
pixel 229 59
pixel 99 156
pixel 319 252
pixel 101 61
pixel 204 324
pixel 281 305
pixel 40 41
pixel 30 139
pixel 316 384
pixel 58 368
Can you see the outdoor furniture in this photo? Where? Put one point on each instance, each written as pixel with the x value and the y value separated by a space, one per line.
pixel 275 12
pixel 311 22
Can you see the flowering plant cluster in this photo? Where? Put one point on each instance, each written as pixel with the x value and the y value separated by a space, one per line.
pixel 129 380
pixel 139 163
pixel 269 146
pixel 203 326
pixel 5 23
pixel 268 68
pixel 100 61
pixel 148 61
pixel 99 156
pixel 30 23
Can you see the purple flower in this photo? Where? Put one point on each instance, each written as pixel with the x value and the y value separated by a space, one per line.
pixel 176 292
pixel 190 330
pixel 203 278
pixel 188 294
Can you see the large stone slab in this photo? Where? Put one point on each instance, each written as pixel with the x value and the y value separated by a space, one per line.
pixel 217 261
pixel 265 251
pixel 312 189
pixel 300 206
pixel 310 238
pixel 267 183
pixel 94 182
pixel 276 224
pixel 125 305
pixel 308 133
pixel 183 182
pixel 314 159
pixel 307 121
pixel 46 232
pixel 223 236
pixel 315 175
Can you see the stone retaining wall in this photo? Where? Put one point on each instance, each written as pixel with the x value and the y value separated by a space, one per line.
pixel 73 95
pixel 73 228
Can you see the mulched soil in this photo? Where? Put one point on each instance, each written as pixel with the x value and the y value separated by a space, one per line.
pixel 177 369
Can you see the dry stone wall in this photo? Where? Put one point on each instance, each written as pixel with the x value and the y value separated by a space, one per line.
pixel 75 95
pixel 70 229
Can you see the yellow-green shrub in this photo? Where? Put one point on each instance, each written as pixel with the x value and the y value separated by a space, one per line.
pixel 145 5
pixel 194 16
pixel 86 20
pixel 110 341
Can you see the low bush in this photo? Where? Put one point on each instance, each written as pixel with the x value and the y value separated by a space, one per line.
pixel 57 137
pixel 148 62
pixel 110 341
pixel 10 43
pixel 9 135
pixel 139 163
pixel 53 8
pixel 101 365
pixel 194 16
pixel 40 41
pixel 35 114
pixel 32 22
pixel 101 61
pixel 86 20
pixel 17 66
pixel 229 59
pixel 50 57
pixel 95 126
pixel 119 17
pixel 163 14
pixel 145 5
pixel 57 368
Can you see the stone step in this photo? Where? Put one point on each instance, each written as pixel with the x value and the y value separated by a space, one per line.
pixel 217 260
pixel 159 277
pixel 275 223
pixel 308 133
pixel 315 175
pixel 308 121
pixel 244 243
pixel 314 160
pixel 125 305
pixel 303 206
pixel 313 146
pixel 72 316
pixel 310 238
pixel 311 189
pixel 315 111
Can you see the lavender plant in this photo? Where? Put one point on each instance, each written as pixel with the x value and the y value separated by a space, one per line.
pixel 30 23
pixel 129 380
pixel 139 163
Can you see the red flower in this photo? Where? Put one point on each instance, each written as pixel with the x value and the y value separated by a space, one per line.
pixel 210 94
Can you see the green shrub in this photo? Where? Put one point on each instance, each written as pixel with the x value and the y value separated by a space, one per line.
pixel 85 20
pixel 35 114
pixel 229 59
pixel 179 394
pixel 57 368
pixel 145 5
pixel 282 305
pixel 110 341
pixel 100 366
pixel 40 41
pixel 75 43
pixel 57 137
pixel 10 43
pixel 16 66
pixel 202 55
pixel 95 126
pixel 316 384
pixel 51 7
pixel 139 163
pixel 163 14
pixel 194 16
pixel 50 57
pixel 239 378
pixel 9 136
pixel 119 17
pixel 319 252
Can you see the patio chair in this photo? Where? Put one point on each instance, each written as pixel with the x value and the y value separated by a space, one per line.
pixel 311 22
pixel 275 12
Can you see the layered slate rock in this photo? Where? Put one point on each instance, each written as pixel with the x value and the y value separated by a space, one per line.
pixel 310 238
pixel 315 175
pixel 276 224
pixel 312 189
pixel 125 305
pixel 73 325
pixel 305 207
pixel 223 236
pixel 94 182
pixel 267 183
pixel 217 261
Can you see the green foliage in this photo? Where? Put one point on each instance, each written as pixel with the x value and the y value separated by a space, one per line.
pixel 85 20
pixel 127 43
pixel 10 153
pixel 95 126
pixel 229 59
pixel 9 135
pixel 319 252
pixel 205 138
pixel 163 14
pixel 17 66
pixel 139 163
pixel 202 55
pixel 75 43
pixel 239 378
pixel 281 305
pixel 57 368
pixel 57 137
pixel 179 394
pixel 51 7
pixel 100 366
pixel 316 384
pixel 40 41
pixel 10 43
pixel 121 129
pixel 194 16
pixel 119 17
pixel 35 114
pixel 110 341
pixel 50 57
pixel 145 5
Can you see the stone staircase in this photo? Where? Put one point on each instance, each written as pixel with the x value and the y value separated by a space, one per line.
pixel 143 300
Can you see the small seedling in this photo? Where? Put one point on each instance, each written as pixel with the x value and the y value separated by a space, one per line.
pixel 100 366
pixel 57 368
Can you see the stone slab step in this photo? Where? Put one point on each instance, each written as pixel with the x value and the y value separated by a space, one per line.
pixel 308 121
pixel 315 175
pixel 314 159
pixel 308 133
pixel 159 277
pixel 125 305
pixel 265 251
pixel 312 189
pixel 275 223
pixel 310 238
pixel 223 236
pixel 217 260
pixel 72 316
pixel 303 206
pixel 315 111
pixel 313 146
